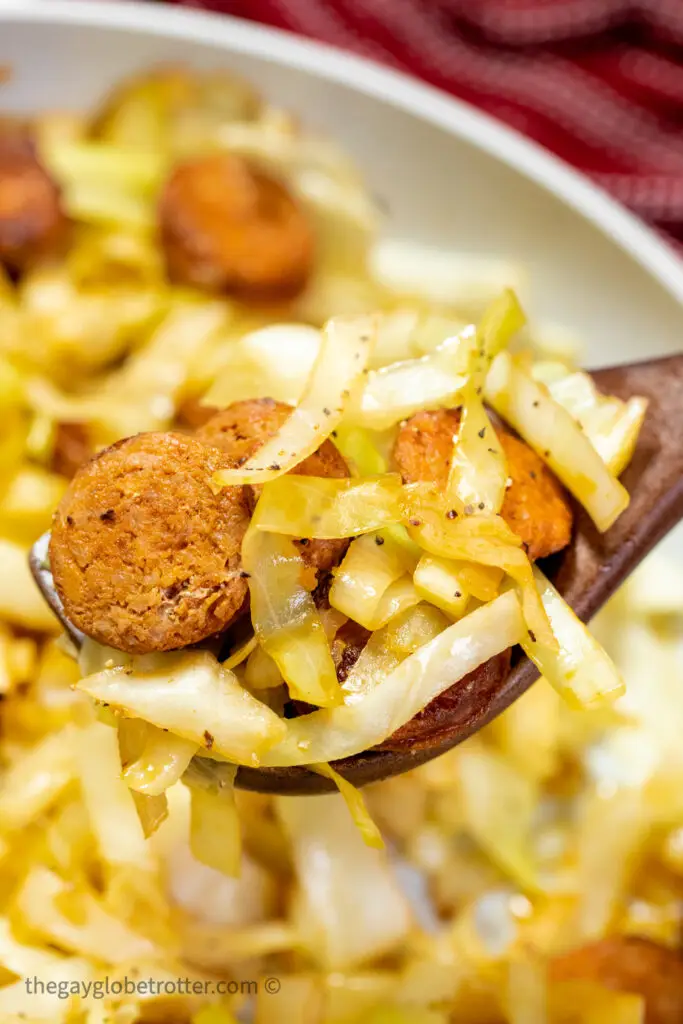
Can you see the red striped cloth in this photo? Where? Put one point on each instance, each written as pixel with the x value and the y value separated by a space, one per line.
pixel 599 82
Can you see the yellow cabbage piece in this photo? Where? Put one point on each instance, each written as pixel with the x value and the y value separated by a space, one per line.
pixel 344 354
pixel 285 619
pixel 192 695
pixel 557 438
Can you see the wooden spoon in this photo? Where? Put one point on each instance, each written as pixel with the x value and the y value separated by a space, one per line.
pixel 586 574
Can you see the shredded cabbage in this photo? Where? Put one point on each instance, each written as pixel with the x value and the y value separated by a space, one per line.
pixel 17 1005
pixel 555 436
pixel 478 472
pixel 306 506
pixel 285 619
pixel 389 646
pixel 215 835
pixel 240 653
pixel 254 367
pixel 439 580
pixel 397 391
pixel 28 503
pixel 594 1004
pixel 348 904
pixel 20 602
pixel 360 448
pixel 261 672
pixel 361 583
pixel 398 597
pixel 498 805
pixel 353 799
pixel 108 800
pixel 579 668
pixel 611 425
pixel 191 694
pixel 334 733
pixel 442 277
pixel 344 353
pixel 487 539
pixel 163 760
pixel 36 781
pixel 74 920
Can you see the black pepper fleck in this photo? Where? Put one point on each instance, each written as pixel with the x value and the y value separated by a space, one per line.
pixel 109 516
pixel 245 575
pixel 532 636
pixel 458 593
pixel 481 506
pixel 415 522
pixel 304 541
pixel 482 432
pixel 69 521
pixel 208 739
pixel 451 514
pixel 379 541
pixel 532 474
pixel 326 411
pixel 536 404
pixel 274 466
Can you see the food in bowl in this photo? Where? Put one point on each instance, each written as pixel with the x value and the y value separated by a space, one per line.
pixel 309 478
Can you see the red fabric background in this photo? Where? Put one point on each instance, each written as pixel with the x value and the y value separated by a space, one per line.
pixel 599 82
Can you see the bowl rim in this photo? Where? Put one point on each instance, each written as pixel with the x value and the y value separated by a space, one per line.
pixel 643 244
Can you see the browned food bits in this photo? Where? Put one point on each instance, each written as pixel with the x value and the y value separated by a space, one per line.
pixel 72 448
pixel 145 556
pixel 226 226
pixel 535 506
pixel 630 964
pixel 242 428
pixel 32 223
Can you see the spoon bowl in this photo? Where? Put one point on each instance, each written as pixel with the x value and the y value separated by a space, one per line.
pixel 587 573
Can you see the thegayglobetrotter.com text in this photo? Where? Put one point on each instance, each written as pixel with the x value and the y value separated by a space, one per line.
pixel 105 987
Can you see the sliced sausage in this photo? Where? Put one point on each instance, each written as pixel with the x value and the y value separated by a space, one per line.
pixel 242 428
pixel 145 556
pixel 628 963
pixel 227 226
pixel 32 222
pixel 536 506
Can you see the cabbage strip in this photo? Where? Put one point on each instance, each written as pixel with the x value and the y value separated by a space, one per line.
pixel 333 733
pixel 285 619
pixel 344 353
pixel 556 437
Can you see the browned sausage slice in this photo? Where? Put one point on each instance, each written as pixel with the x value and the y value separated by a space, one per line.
pixel 628 963
pixel 535 506
pixel 243 427
pixel 72 448
pixel 32 223
pixel 227 226
pixel 145 556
